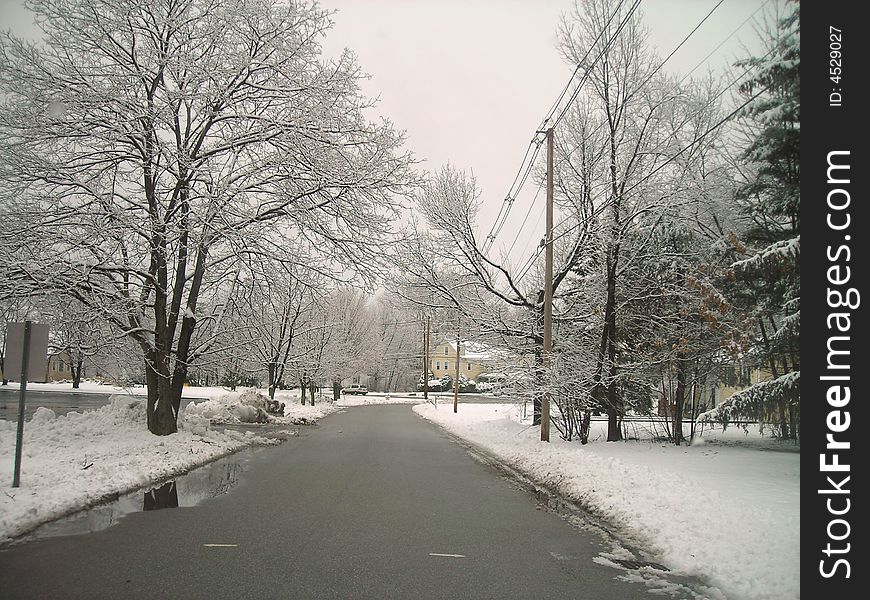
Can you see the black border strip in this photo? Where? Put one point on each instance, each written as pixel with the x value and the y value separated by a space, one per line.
pixel 833 117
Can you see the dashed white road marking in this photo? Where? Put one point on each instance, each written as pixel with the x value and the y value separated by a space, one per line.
pixel 221 545
pixel 558 556
pixel 447 555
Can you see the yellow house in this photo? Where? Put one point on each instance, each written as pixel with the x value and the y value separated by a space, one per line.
pixel 732 379
pixel 737 378
pixel 473 357
pixel 59 367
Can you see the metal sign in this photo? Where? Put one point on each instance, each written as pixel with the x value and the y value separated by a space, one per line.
pixel 26 355
pixel 37 357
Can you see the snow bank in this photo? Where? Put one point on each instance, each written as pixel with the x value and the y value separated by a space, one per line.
pixel 250 406
pixel 296 413
pixel 726 514
pixel 378 398
pixel 244 406
pixel 81 459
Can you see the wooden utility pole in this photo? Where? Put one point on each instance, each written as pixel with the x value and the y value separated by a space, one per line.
pixel 426 360
pixel 548 291
pixel 456 379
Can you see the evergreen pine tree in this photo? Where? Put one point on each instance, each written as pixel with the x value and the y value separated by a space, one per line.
pixel 769 273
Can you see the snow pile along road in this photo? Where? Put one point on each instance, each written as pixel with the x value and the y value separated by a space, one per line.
pixel 250 406
pixel 728 515
pixel 78 460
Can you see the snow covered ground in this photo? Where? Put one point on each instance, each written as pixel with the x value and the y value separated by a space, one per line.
pixel 378 398
pixel 93 387
pixel 726 510
pixel 80 459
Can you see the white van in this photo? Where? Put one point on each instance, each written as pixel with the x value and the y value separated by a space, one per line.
pixel 355 388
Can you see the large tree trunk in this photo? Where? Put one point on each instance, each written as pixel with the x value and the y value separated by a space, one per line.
pixel 161 415
pixel 164 418
pixel 76 370
pixel 614 401
pixel 164 415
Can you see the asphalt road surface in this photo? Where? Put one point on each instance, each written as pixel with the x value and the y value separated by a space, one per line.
pixel 372 503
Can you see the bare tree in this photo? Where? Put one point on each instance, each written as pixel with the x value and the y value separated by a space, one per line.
pixel 653 129
pixel 271 306
pixel 75 332
pixel 444 267
pixel 146 144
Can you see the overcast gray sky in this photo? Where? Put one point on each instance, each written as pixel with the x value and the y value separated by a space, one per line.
pixel 470 80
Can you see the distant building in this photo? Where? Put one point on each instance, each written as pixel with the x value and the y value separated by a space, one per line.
pixel 60 368
pixel 474 359
pixel 735 378
pixel 731 378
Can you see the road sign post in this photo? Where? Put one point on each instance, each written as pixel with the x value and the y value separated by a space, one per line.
pixel 19 437
pixel 27 348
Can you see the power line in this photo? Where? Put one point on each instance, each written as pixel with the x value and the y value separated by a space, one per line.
pixel 721 122
pixel 606 48
pixel 505 207
pixel 517 185
pixel 703 60
pixel 713 99
pixel 507 204
pixel 528 212
pixel 528 264
pixel 723 42
pixel 685 39
pixel 586 76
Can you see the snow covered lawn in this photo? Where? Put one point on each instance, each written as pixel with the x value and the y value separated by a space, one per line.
pixel 78 460
pixel 722 511
pixel 378 398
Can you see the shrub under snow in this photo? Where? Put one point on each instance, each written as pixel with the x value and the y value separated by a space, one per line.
pixel 247 406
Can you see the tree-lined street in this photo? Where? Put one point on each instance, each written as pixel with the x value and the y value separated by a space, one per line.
pixel 208 197
pixel 372 503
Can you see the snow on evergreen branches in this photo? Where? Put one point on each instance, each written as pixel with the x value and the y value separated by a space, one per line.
pixel 783 250
pixel 758 402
